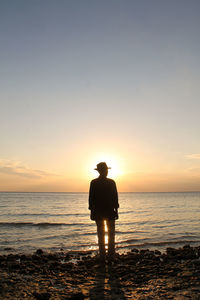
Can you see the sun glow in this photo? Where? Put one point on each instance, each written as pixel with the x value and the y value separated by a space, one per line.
pixel 111 161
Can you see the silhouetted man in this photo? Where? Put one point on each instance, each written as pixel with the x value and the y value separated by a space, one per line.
pixel 103 203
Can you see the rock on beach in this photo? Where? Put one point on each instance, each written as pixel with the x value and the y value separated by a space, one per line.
pixel 144 274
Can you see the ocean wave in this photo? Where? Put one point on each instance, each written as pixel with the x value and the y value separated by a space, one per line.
pixel 44 215
pixel 134 243
pixel 42 224
pixel 134 212
pixel 131 232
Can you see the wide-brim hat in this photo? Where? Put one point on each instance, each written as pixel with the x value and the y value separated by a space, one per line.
pixel 102 166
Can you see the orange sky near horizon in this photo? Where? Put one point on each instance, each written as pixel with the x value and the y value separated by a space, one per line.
pixel 17 177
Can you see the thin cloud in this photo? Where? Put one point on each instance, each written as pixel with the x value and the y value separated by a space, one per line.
pixel 194 170
pixel 193 156
pixel 14 168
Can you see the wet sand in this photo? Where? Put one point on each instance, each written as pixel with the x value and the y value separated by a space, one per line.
pixel 142 274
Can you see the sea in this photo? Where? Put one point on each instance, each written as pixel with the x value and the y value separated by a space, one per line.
pixel 61 222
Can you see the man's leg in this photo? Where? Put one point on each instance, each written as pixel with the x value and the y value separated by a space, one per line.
pixel 101 237
pixel 111 237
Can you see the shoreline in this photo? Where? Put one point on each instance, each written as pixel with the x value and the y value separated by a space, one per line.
pixel 137 274
pixel 120 249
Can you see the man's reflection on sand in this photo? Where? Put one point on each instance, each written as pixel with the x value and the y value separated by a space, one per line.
pixel 107 284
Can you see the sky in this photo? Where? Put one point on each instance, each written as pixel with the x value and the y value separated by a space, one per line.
pixel 89 81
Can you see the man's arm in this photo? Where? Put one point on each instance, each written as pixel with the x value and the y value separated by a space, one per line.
pixel 115 196
pixel 91 194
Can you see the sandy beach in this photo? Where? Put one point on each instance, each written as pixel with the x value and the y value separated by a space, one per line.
pixel 144 274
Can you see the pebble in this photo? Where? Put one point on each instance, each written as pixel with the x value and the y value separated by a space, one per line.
pixel 41 296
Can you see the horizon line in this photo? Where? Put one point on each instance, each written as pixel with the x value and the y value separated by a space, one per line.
pixel 74 192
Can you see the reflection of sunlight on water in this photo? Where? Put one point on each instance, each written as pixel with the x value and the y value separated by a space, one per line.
pixel 93 248
pixel 106 235
pixel 96 238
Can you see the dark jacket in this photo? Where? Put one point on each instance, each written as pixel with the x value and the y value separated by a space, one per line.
pixel 103 199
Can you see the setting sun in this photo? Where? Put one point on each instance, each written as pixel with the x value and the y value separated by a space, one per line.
pixel 111 161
